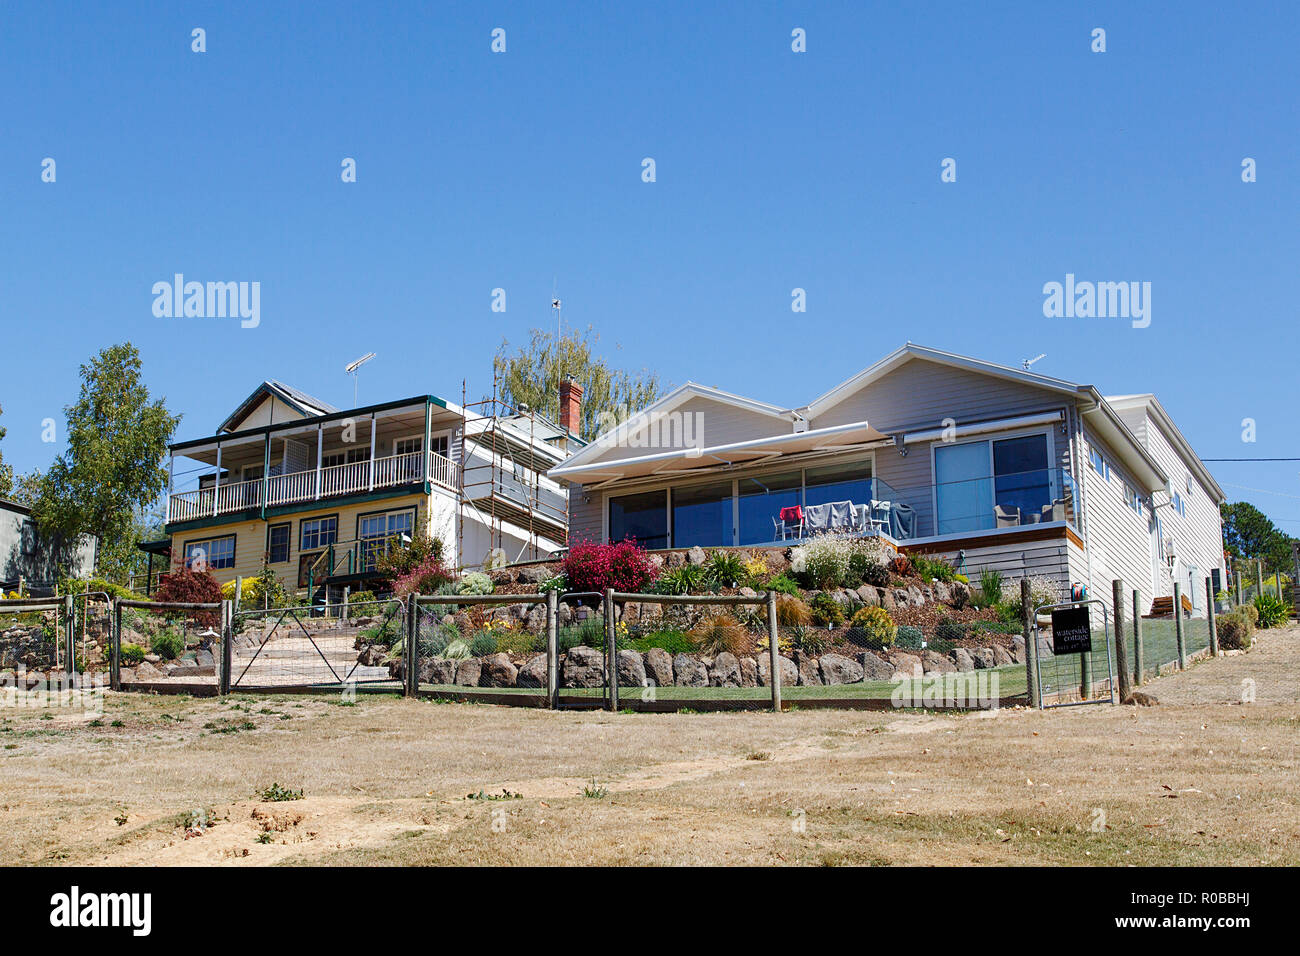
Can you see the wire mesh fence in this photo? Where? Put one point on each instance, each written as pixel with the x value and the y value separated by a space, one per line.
pixel 322 646
pixel 167 646
pixel 33 640
pixel 1067 677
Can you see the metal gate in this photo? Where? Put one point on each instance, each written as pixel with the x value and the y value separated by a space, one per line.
pixel 323 646
pixel 1069 680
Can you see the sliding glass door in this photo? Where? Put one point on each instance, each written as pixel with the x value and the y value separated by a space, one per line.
pixel 995 483
pixel 963 490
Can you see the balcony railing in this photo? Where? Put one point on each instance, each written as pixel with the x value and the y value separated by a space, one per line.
pixel 330 482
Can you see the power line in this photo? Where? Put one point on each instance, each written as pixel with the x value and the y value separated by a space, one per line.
pixel 1262 491
pixel 1250 459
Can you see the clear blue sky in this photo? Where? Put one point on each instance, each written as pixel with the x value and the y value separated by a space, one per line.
pixel 775 170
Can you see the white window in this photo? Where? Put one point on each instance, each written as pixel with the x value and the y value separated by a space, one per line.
pixel 440 445
pixel 1098 462
pixel 407 446
pixel 211 554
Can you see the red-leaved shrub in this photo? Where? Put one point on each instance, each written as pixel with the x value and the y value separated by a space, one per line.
pixel 191 587
pixel 425 578
pixel 594 567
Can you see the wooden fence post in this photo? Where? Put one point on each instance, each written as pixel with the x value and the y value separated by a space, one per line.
pixel 611 652
pixel 1031 645
pixel 1259 577
pixel 1139 655
pixel 70 634
pixel 552 649
pixel 412 639
pixel 227 647
pixel 1178 626
pixel 115 649
pixel 1121 642
pixel 774 652
pixel 1210 618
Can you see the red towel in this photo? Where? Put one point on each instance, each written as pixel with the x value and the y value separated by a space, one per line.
pixel 792 514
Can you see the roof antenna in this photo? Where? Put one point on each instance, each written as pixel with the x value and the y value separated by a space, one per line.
pixel 351 369
pixel 1028 362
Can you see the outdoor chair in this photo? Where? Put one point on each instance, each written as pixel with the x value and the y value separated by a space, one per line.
pixel 789 523
pixel 1007 517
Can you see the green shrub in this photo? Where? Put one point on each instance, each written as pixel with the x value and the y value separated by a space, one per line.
pixel 674 642
pixel 949 631
pixel 475 582
pixel 812 641
pixel 590 633
pixel 168 645
pixel 520 642
pixel 909 637
pixel 990 592
pixel 790 611
pixel 826 611
pixel 687 579
pixel 872 627
pixel 482 644
pixel 457 650
pixel 131 654
pixel 783 584
pixel 361 597
pixel 434 639
pixel 1235 630
pixel 726 569
pixel 556 582
pixel 1272 610
pixel 934 568
pixel 876 574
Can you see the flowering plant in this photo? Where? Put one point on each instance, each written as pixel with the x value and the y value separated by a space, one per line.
pixel 619 565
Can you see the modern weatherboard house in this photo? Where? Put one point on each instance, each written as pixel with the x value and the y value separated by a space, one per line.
pixel 318 494
pixel 986 465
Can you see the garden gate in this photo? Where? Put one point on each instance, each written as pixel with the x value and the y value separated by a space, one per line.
pixel 1085 677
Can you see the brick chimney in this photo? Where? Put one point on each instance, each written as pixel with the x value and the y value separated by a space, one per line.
pixel 571 407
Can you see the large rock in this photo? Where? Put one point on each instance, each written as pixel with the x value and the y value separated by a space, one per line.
pixel 631 669
pixel 983 658
pixel 809 673
pixel 874 668
pixel 1001 656
pixel 583 667
pixel 659 666
pixel 789 670
pixel 469 672
pixel 963 659
pixel 146 672
pixel 689 672
pixel 941 591
pixel 837 669
pixel 905 665
pixel 725 671
pixel 534 574
pixel 868 595
pixel 497 671
pixel 532 674
pixel 887 600
pixel 1018 648
pixel 748 672
pixel 443 670
pixel 696 555
pixel 936 663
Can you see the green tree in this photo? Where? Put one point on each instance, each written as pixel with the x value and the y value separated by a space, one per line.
pixel 6 471
pixel 531 375
pixel 111 473
pixel 1248 533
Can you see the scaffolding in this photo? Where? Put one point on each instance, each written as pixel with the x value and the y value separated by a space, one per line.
pixel 501 479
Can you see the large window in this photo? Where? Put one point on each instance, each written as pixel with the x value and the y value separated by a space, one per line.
pixel 761 501
pixel 210 554
pixel 702 515
pixel 993 484
pixel 314 533
pixel 642 518
pixel 378 532
pixel 277 543
pixel 851 482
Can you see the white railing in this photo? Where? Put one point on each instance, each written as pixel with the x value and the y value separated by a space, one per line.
pixel 347 479
pixel 442 471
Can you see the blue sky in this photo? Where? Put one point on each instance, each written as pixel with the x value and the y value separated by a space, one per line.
pixel 775 170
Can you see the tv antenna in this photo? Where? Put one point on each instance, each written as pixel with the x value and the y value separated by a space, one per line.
pixel 352 368
pixel 1028 362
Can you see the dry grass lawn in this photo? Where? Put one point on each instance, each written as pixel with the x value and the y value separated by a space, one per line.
pixel 1200 779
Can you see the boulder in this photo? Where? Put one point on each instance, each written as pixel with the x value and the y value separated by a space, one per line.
pixel 905 665
pixel 689 672
pixel 443 670
pixel 809 672
pixel 874 668
pixel 725 671
pixel 372 655
pixel 631 669
pixel 941 590
pixel 469 672
pixel 886 599
pixel 658 666
pixel 533 673
pixel 748 592
pixel 789 670
pixel 748 672
pixel 915 596
pixel 146 672
pixel 963 660
pixel 498 671
pixel 936 663
pixel 868 595
pixel 838 669
pixel 583 667
pixel 1018 648
pixel 675 559
pixel 502 576
pixel 534 574
pixel 1001 656
pixel 983 658
pixel 696 555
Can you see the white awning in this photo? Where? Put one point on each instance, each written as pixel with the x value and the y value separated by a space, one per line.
pixel 686 460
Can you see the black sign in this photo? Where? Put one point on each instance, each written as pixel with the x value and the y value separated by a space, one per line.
pixel 1071 631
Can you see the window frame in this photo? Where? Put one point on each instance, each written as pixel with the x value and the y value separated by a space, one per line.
pixel 288 542
pixel 319 546
pixel 209 541
pixel 412 510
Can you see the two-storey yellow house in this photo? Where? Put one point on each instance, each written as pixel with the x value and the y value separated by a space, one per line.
pixel 317 493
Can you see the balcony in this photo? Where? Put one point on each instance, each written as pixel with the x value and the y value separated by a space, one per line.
pixel 333 481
